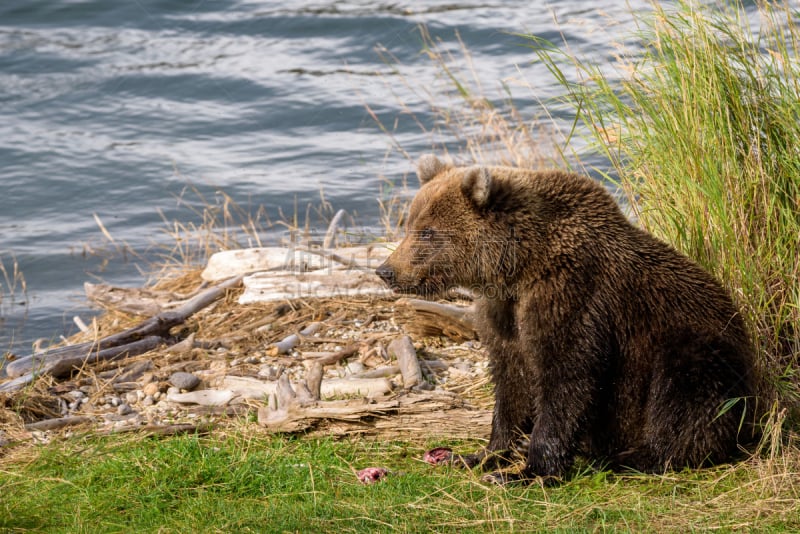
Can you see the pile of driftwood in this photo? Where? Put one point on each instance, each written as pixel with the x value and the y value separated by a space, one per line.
pixel 246 352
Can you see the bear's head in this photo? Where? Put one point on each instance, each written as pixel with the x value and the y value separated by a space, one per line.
pixel 456 236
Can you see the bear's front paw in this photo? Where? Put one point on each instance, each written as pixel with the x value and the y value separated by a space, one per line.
pixel 468 461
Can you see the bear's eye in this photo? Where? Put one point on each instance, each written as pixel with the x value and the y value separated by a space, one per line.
pixel 426 234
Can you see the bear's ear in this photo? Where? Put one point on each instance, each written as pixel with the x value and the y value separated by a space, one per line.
pixel 428 167
pixel 477 185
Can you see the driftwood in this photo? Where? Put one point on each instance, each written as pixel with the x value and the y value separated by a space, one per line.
pixel 288 343
pixel 330 235
pixel 333 358
pixel 59 422
pixel 439 319
pixel 314 380
pixel 137 340
pixel 294 259
pixel 253 388
pixel 64 364
pixel 403 349
pixel 362 415
pixel 285 273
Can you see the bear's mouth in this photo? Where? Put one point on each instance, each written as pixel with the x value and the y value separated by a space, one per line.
pixel 426 288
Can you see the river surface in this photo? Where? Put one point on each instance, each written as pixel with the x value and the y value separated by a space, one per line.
pixel 119 118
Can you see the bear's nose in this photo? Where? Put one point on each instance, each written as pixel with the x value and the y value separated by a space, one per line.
pixel 386 273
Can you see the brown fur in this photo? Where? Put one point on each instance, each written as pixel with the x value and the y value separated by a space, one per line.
pixel 603 341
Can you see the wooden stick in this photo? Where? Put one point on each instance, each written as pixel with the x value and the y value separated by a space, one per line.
pixel 403 349
pixel 64 365
pixel 336 357
pixel 330 235
pixel 291 341
pixel 59 422
pixel 314 380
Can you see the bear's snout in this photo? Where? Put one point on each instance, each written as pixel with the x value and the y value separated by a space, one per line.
pixel 386 274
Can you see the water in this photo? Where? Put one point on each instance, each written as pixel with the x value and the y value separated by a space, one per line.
pixel 112 108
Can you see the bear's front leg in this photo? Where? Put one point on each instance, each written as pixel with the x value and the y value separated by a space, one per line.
pixel 509 424
pixel 563 401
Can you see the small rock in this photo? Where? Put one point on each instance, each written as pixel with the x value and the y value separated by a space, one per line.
pixel 182 380
pixel 148 400
pixel 270 372
pixel 140 395
pixel 150 389
pixel 75 394
pixel 463 366
pixel 131 397
pixel 172 390
pixel 124 409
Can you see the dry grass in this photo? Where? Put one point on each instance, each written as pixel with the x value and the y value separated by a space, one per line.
pixel 469 125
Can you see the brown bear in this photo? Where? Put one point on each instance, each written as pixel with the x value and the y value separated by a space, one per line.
pixel 603 341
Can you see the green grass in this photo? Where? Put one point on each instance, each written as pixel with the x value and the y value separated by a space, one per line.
pixel 702 133
pixel 247 481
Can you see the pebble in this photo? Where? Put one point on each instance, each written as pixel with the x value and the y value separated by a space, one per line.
pixel 131 397
pixel 75 394
pixel 172 391
pixel 124 409
pixel 148 400
pixel 182 380
pixel 269 372
pixel 464 367
pixel 150 389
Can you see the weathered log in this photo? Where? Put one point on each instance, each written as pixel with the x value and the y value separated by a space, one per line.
pixel 337 283
pixel 64 365
pixel 437 318
pixel 203 397
pixel 253 388
pixel 403 349
pixel 293 260
pixel 414 409
pixel 159 325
